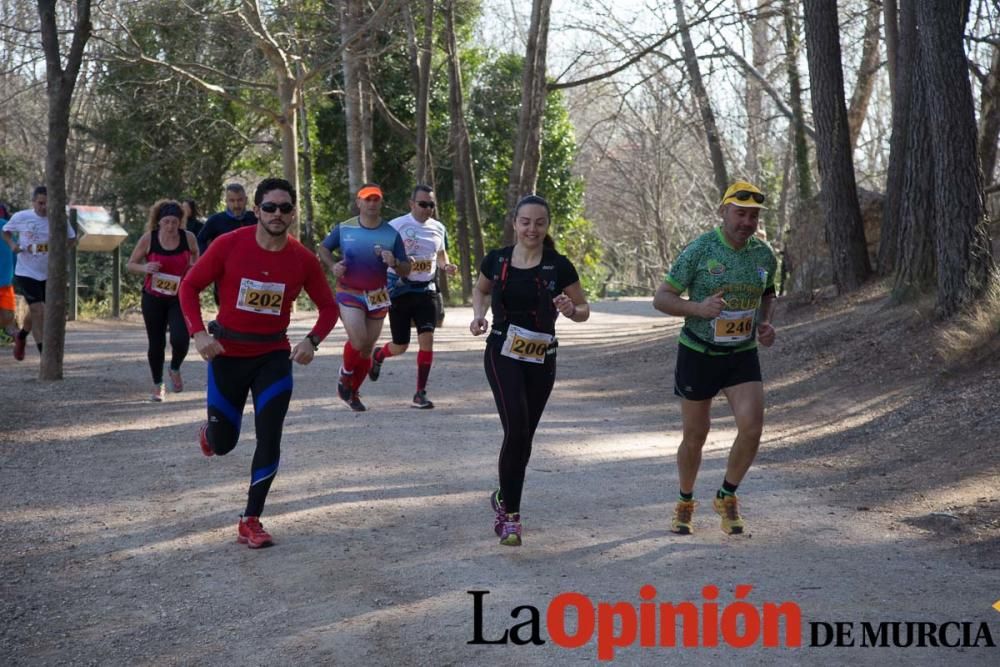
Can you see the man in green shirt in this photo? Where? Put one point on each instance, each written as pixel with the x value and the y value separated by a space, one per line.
pixel 728 274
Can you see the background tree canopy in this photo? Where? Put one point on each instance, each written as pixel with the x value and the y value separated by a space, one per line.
pixel 647 111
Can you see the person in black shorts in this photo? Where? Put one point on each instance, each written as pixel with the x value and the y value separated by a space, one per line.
pixel 415 296
pixel 527 286
pixel 32 270
pixel 729 276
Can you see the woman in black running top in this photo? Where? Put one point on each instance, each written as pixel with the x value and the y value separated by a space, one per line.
pixel 527 286
pixel 164 254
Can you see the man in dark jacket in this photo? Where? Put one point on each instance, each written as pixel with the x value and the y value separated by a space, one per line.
pixel 235 216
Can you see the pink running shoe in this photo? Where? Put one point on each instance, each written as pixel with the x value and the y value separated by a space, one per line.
pixel 176 382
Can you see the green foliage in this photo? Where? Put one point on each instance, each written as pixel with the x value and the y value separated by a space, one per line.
pixel 494 104
pixel 492 85
pixel 101 307
pixel 15 171
pixel 166 136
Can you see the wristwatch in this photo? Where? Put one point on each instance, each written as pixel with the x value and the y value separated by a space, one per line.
pixel 314 340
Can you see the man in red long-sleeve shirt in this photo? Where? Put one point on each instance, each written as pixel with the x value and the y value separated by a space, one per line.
pixel 259 271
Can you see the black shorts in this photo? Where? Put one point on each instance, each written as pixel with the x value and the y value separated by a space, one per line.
pixel 32 290
pixel 415 307
pixel 699 376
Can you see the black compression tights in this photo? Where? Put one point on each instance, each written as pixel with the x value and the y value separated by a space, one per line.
pixel 230 379
pixel 159 313
pixel 521 390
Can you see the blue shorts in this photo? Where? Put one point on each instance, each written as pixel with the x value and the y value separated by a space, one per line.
pixel 349 300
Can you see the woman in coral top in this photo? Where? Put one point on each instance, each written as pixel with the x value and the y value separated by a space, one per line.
pixel 164 254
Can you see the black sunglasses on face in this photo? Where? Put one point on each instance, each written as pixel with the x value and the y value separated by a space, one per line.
pixel 426 204
pixel 743 195
pixel 271 207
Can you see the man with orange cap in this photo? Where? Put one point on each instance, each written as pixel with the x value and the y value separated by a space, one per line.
pixel 729 275
pixel 369 246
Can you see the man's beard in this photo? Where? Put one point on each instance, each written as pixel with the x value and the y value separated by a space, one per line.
pixel 283 231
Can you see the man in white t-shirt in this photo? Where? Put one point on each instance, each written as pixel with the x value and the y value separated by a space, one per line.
pixel 32 270
pixel 426 243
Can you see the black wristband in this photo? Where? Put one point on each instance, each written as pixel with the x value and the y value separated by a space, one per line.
pixel 314 340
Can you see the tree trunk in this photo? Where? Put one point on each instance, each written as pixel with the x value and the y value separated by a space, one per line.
pixel 704 103
pixel 306 209
pixel 756 121
pixel 867 69
pixel 906 50
pixel 965 261
pixel 466 193
pixel 60 84
pixel 844 229
pixel 288 126
pixel 917 266
pixel 803 174
pixel 989 118
pixel 357 172
pixel 527 145
pixel 889 20
pixel 367 116
pixel 420 56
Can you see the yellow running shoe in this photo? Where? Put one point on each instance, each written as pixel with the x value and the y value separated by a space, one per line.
pixel 728 508
pixel 681 523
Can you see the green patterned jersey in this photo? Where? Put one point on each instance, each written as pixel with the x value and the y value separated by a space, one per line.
pixel 710 265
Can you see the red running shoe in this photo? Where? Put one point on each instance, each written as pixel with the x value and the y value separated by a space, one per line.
pixel 19 345
pixel 252 534
pixel 206 448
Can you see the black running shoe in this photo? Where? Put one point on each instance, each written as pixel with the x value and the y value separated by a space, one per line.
pixel 355 403
pixel 420 401
pixel 376 368
pixel 344 392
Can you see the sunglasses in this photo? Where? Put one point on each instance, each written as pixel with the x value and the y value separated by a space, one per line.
pixel 426 204
pixel 271 207
pixel 744 195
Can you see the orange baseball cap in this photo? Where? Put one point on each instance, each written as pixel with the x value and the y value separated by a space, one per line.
pixel 370 191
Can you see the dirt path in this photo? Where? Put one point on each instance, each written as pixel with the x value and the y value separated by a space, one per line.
pixel 119 536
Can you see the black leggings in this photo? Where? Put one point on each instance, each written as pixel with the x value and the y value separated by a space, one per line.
pixel 521 390
pixel 230 379
pixel 159 313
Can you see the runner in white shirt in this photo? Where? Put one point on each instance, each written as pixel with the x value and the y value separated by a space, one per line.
pixel 32 270
pixel 412 297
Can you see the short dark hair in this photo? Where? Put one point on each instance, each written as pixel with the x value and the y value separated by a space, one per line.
pixel 269 184
pixel 193 206
pixel 40 190
pixel 421 188
pixel 236 187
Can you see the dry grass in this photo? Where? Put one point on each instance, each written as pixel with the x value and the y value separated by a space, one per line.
pixel 974 334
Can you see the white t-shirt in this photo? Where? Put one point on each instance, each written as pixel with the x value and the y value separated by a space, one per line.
pixel 422 241
pixel 33 237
